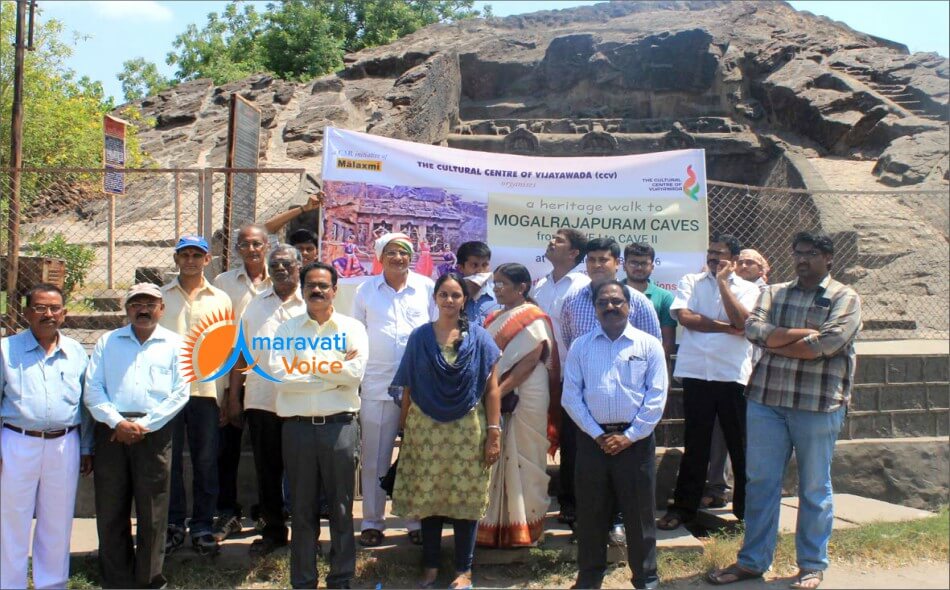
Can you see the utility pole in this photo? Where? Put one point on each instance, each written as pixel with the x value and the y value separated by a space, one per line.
pixel 16 162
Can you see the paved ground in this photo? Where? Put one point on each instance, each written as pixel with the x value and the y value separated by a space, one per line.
pixel 925 575
pixel 849 511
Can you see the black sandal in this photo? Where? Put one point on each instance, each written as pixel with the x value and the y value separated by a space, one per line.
pixel 807 576
pixel 735 570
pixel 371 538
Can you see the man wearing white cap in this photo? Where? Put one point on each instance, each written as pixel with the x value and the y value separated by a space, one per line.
pixel 391 305
pixel 134 388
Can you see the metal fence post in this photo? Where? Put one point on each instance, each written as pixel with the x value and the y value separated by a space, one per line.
pixel 110 273
pixel 206 208
pixel 177 205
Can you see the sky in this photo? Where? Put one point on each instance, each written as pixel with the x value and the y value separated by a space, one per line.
pixel 118 30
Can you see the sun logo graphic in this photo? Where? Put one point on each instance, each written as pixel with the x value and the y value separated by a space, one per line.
pixel 691 184
pixel 213 347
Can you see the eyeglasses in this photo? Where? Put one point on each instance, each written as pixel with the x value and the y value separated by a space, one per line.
pixel 320 286
pixel 137 305
pixel 42 309
pixel 282 264
pixel 805 255
pixel 251 245
pixel 614 302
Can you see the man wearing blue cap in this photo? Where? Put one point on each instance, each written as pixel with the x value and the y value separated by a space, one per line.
pixel 189 299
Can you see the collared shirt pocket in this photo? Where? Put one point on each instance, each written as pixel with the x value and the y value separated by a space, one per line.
pixel 816 316
pixel 160 381
pixel 633 371
pixel 72 390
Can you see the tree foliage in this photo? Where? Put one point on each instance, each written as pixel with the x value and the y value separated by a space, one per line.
pixel 141 78
pixel 62 114
pixel 300 39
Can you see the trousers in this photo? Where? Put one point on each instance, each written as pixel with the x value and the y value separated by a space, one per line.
pixel 37 475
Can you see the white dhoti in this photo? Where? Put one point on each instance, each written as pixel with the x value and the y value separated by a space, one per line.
pixel 379 423
pixel 38 475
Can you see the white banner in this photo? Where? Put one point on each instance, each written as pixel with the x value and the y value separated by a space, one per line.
pixel 442 197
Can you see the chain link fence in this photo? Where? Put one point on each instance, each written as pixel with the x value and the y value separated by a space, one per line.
pixel 96 245
pixel 891 246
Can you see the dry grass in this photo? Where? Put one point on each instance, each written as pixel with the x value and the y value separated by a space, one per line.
pixel 883 545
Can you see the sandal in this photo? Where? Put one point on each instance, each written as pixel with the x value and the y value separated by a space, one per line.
pixel 807 576
pixel 670 521
pixel 737 573
pixel 371 538
pixel 713 501
pixel 415 537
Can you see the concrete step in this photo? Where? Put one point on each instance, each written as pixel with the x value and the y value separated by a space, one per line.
pixel 850 511
pixel 397 547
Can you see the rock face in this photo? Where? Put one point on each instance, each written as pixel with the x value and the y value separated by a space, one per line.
pixel 731 74
pixel 757 85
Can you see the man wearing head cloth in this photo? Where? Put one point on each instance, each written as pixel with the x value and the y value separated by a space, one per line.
pixel 134 388
pixel 391 305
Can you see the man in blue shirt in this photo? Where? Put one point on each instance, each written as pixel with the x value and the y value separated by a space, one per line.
pixel 42 447
pixel 134 387
pixel 615 390
pixel 578 316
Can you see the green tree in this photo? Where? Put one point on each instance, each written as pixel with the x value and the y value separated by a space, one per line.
pixel 141 78
pixel 300 39
pixel 225 49
pixel 62 115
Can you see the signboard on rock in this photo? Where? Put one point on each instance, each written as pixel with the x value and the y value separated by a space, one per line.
pixel 240 196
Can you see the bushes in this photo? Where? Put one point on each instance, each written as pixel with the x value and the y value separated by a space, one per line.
pixel 78 258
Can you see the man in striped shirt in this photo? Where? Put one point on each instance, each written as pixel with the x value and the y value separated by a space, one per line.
pixel 797 398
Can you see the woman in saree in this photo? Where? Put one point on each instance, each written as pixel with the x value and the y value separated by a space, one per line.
pixel 530 385
pixel 451 417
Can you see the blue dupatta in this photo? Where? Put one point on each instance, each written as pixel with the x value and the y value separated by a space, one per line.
pixel 446 392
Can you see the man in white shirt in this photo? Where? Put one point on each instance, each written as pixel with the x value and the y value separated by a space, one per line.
pixel 566 252
pixel 714 362
pixel 391 305
pixel 318 399
pixel 255 395
pixel 242 284
pixel 753 267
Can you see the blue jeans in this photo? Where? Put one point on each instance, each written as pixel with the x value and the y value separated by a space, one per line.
pixel 199 419
pixel 772 432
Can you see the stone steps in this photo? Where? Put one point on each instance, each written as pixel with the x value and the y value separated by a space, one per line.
pixel 850 511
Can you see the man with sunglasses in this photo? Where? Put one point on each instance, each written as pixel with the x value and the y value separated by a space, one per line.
pixel 189 300
pixel 242 284
pixel 615 390
pixel 134 390
pixel 43 449
pixel 258 397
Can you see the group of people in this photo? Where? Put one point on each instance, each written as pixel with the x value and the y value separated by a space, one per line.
pixel 480 373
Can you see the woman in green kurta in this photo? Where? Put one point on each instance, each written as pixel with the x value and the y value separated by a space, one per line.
pixel 451 439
